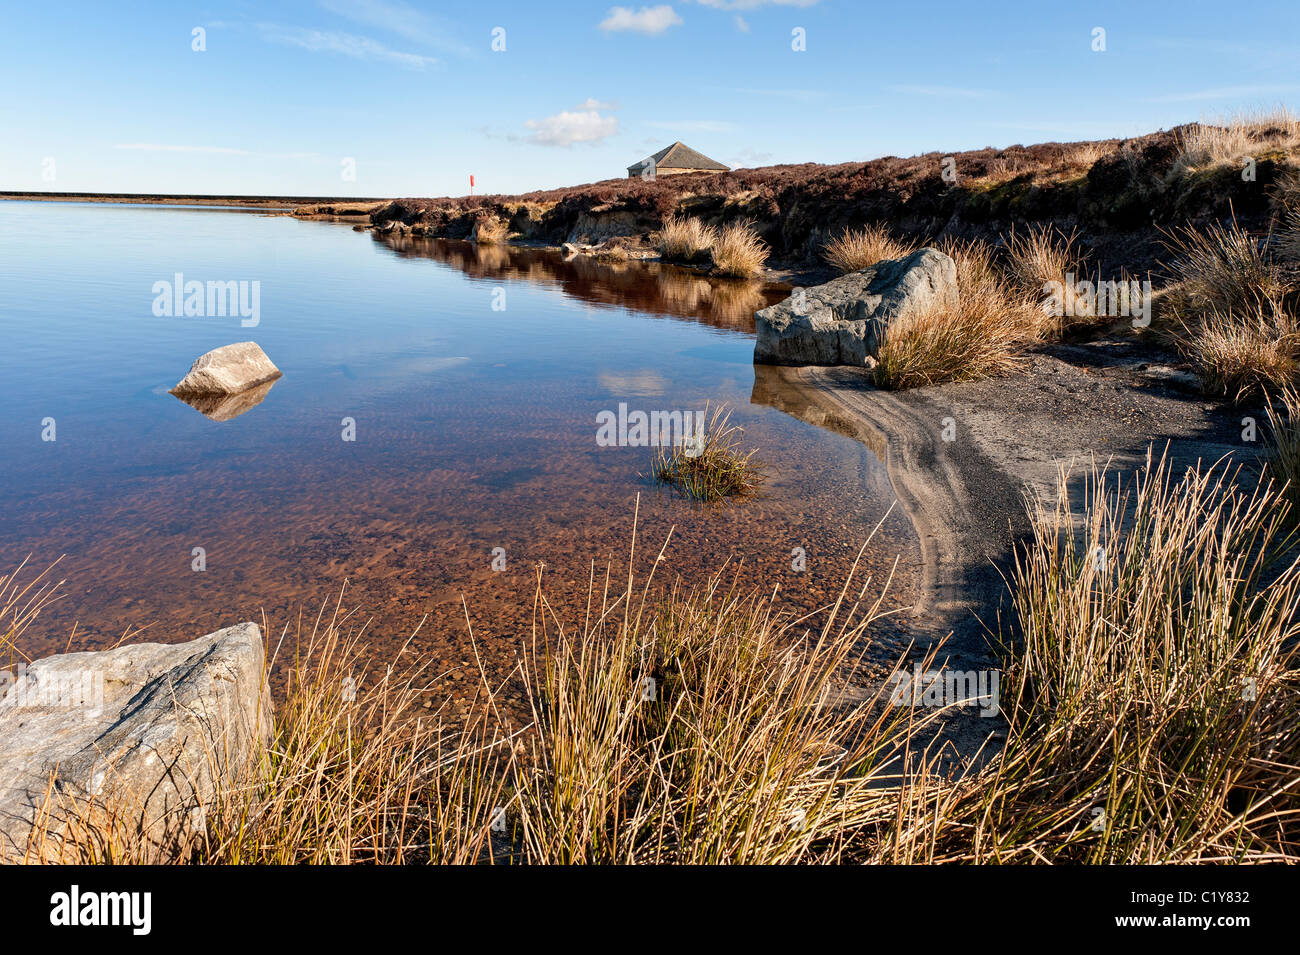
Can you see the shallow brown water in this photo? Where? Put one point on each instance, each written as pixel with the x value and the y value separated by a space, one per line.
pixel 475 430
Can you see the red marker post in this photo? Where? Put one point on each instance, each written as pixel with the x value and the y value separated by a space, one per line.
pixel 471 185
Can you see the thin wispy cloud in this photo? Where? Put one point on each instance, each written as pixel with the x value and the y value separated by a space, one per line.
pixel 590 103
pixel 1227 92
pixel 344 44
pixel 213 150
pixel 647 20
pixel 943 92
pixel 806 96
pixel 749 158
pixel 400 19
pixel 741 23
pixel 695 125
pixel 175 148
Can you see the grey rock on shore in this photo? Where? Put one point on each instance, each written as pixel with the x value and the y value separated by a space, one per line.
pixel 840 323
pixel 135 741
pixel 227 370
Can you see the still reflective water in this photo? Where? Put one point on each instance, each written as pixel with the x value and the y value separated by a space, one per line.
pixel 474 429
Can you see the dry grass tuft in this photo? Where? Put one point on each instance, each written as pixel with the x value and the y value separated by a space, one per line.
pixel 1245 353
pixel 491 232
pixel 683 240
pixel 739 252
pixel 1041 257
pixel 1153 710
pixel 982 337
pixel 856 249
pixel 1282 448
pixel 1224 268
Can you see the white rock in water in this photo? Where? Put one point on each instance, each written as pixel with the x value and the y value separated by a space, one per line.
pixel 227 370
pixel 141 735
pixel 841 322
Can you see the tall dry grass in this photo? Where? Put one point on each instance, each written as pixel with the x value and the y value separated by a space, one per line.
pixel 982 337
pixel 1242 354
pixel 1224 268
pixel 1150 690
pixel 1282 447
pixel 1154 703
pixel 739 252
pixel 1040 257
pixel 856 249
pixel 1232 309
pixel 684 239
pixel 1229 139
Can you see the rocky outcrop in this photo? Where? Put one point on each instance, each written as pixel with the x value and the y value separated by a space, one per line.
pixel 840 323
pixel 129 744
pixel 227 370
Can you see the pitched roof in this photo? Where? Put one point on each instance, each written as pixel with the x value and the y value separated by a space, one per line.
pixel 681 156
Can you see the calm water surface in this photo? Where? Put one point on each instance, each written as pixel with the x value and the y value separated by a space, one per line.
pixel 475 429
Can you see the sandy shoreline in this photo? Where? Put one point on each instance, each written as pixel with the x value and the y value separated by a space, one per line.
pixel 967 497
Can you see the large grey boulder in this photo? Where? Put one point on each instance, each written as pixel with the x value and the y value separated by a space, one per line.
pixel 840 323
pixel 128 744
pixel 227 370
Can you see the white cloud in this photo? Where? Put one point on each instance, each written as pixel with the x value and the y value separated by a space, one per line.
pixel 346 44
pixel 741 23
pixel 572 126
pixel 648 20
pixel 590 103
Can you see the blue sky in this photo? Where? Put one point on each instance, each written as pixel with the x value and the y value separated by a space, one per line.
pixel 113 97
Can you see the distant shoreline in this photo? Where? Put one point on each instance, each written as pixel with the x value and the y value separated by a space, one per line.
pixel 268 202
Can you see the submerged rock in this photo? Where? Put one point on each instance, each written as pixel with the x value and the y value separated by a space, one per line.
pixel 840 323
pixel 226 371
pixel 134 740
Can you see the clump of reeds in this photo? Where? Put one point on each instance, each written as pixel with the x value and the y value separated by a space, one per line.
pixel 684 239
pixel 710 465
pixel 1149 687
pixel 1153 705
pixel 981 335
pixel 1042 259
pixel 856 249
pixel 1224 268
pixel 1243 353
pixel 738 251
pixel 491 231
pixel 1282 448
